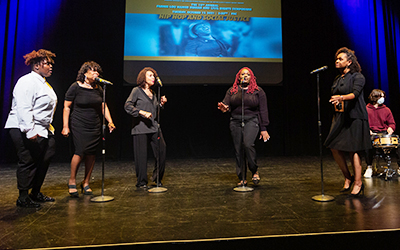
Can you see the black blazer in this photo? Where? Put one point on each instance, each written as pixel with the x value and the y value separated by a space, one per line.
pixel 352 83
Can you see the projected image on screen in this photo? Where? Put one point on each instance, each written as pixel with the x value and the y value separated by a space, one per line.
pixel 193 31
pixel 256 38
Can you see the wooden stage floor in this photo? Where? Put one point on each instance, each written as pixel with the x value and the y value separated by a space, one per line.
pixel 200 208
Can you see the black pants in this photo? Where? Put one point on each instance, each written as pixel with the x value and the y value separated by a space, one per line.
pixel 250 132
pixel 140 143
pixel 33 159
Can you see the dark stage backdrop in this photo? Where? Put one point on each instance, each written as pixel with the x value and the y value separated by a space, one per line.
pixel 192 125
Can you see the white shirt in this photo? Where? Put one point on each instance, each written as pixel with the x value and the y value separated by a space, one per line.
pixel 33 106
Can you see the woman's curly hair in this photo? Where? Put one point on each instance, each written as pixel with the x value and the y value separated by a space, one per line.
pixel 37 56
pixel 141 78
pixel 90 65
pixel 252 85
pixel 354 66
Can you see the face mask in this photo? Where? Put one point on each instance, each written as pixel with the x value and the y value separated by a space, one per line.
pixel 381 100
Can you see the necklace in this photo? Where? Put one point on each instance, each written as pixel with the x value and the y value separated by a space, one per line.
pixel 89 86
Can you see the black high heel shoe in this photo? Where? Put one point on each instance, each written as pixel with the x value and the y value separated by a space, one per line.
pixel 240 184
pixel 359 192
pixel 85 190
pixel 256 178
pixel 73 194
pixel 343 190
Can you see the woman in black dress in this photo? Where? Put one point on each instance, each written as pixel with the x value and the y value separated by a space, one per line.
pixel 83 111
pixel 142 105
pixel 350 129
pixel 255 120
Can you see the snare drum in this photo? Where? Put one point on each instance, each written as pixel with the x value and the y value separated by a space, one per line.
pixel 386 141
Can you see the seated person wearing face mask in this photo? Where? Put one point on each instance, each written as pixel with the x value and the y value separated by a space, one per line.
pixel 380 120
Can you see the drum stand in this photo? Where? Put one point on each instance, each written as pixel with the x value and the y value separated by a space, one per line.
pixel 383 144
pixel 103 198
pixel 388 172
pixel 158 189
pixel 243 187
pixel 321 197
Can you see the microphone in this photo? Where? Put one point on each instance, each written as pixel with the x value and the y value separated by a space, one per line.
pixel 243 82
pixel 318 70
pixel 159 81
pixel 103 81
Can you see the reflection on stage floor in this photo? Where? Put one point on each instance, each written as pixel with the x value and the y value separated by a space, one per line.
pixel 201 206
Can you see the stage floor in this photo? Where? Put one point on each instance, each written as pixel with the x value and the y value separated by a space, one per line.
pixel 199 205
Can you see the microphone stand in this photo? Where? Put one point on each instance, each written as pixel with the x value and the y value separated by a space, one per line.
pixel 243 187
pixel 158 189
pixel 321 197
pixel 103 198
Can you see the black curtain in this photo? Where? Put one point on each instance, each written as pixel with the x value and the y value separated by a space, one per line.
pixel 192 125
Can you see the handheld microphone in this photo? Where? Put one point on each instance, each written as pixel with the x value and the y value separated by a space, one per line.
pixel 103 81
pixel 318 70
pixel 159 81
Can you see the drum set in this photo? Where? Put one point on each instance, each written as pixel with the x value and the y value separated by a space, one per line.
pixel 384 144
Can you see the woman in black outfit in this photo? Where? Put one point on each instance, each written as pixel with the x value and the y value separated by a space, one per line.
pixel 350 129
pixel 142 105
pixel 255 120
pixel 85 99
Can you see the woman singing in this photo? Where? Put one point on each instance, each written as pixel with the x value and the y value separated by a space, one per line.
pixel 255 120
pixel 142 105
pixel 85 98
pixel 350 129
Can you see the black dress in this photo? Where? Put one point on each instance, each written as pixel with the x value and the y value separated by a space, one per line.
pixel 350 129
pixel 85 119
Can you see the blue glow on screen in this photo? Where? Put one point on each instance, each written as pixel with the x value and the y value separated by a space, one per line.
pixel 147 35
